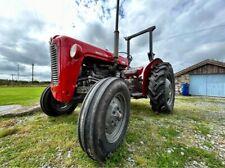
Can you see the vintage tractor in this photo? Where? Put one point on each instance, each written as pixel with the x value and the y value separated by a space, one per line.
pixel 104 83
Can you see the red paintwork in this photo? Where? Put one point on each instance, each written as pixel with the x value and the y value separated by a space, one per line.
pixel 69 68
pixel 146 75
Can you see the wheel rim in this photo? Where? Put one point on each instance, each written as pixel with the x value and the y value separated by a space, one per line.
pixel 115 118
pixel 169 92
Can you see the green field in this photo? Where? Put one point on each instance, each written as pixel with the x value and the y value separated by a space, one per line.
pixel 192 135
pixel 20 95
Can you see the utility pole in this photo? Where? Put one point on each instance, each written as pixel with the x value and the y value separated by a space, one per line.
pixel 32 73
pixel 18 72
pixel 12 80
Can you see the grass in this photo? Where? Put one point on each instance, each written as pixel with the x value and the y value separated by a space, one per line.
pixel 151 141
pixel 202 128
pixel 20 95
pixel 169 132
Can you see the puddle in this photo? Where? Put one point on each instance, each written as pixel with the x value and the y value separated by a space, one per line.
pixel 9 108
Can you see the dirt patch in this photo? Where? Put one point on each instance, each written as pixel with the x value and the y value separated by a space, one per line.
pixel 9 123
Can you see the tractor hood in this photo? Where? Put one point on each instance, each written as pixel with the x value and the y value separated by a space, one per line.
pixel 65 69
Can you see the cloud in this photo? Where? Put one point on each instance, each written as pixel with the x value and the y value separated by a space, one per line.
pixel 27 51
pixel 178 18
pixel 187 31
pixel 17 46
pixel 8 67
pixel 209 51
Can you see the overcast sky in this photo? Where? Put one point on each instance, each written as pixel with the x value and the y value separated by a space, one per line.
pixel 187 31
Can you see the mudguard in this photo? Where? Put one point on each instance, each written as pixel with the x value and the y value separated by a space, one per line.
pixel 146 74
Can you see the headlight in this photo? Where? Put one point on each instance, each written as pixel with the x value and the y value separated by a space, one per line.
pixel 73 50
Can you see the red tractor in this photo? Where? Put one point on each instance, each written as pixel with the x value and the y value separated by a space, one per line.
pixel 104 82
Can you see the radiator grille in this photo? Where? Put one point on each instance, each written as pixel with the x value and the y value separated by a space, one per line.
pixel 54 64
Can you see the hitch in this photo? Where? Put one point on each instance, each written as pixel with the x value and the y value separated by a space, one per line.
pixel 150 53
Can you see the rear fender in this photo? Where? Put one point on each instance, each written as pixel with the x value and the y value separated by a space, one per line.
pixel 147 73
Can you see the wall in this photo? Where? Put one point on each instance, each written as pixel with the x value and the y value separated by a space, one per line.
pixel 208 69
pixel 179 80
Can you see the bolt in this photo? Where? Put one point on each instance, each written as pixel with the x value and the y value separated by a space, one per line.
pixel 118 115
pixel 113 123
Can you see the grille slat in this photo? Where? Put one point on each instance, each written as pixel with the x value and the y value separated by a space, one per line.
pixel 54 64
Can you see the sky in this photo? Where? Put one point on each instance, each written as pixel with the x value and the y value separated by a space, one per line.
pixel 187 31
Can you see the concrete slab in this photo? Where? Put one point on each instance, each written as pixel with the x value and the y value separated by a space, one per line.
pixel 9 108
pixel 18 110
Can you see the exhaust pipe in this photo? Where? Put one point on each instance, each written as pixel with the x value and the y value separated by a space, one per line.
pixel 116 37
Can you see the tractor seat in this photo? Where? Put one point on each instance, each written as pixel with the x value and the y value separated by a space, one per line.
pixel 137 71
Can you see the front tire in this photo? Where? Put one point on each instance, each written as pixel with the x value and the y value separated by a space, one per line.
pixel 162 88
pixel 52 107
pixel 104 118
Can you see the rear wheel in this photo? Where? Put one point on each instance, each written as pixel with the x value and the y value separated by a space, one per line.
pixel 162 88
pixel 52 107
pixel 104 118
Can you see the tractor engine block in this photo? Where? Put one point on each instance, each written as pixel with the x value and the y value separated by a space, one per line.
pixel 90 74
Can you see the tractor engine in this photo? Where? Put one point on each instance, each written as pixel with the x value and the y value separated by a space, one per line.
pixel 91 72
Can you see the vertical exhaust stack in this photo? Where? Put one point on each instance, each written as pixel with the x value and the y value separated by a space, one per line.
pixel 116 37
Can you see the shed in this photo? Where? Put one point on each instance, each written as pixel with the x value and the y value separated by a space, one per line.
pixel 206 78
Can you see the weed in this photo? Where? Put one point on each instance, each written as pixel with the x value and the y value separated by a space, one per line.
pixel 169 133
pixel 7 131
pixel 202 128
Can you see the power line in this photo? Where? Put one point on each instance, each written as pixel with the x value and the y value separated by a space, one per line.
pixel 193 32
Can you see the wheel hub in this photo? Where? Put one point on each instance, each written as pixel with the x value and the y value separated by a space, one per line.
pixel 114 118
pixel 116 113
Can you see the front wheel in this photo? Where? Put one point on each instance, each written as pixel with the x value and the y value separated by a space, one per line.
pixel 104 118
pixel 162 88
pixel 52 107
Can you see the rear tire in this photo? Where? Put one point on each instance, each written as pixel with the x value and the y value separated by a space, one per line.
pixel 162 88
pixel 52 107
pixel 104 118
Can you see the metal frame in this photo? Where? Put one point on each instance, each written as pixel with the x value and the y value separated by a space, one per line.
pixel 128 38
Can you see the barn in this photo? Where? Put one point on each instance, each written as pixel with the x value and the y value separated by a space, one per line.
pixel 206 78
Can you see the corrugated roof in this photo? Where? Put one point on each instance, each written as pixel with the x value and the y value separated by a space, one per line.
pixel 200 64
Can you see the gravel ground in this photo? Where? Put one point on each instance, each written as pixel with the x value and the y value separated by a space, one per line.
pixel 192 137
